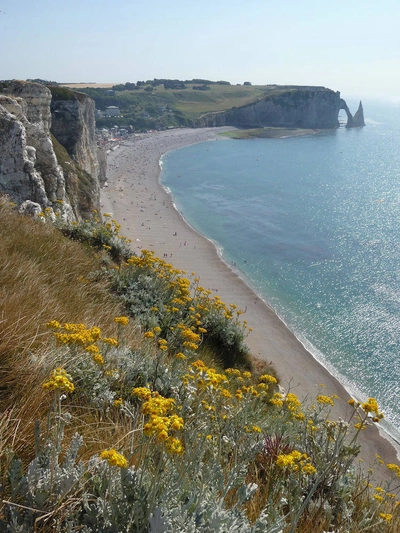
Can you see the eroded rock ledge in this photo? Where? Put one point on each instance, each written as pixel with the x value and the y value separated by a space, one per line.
pixel 48 153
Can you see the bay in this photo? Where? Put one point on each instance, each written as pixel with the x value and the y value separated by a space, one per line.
pixel 313 225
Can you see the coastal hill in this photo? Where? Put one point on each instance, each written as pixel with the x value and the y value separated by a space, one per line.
pixel 160 104
pixel 293 107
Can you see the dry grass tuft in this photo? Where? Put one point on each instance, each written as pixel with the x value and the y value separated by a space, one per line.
pixel 44 276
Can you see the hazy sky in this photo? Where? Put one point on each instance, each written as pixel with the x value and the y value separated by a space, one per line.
pixel 348 45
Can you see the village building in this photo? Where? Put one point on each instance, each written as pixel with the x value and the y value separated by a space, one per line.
pixel 112 111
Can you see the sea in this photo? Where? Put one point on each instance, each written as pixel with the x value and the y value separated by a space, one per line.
pixel 312 224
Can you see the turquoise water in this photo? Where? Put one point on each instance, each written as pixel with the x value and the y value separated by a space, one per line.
pixel 313 223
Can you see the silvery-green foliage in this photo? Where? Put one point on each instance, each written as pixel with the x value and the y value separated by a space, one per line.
pixel 139 369
pixel 208 514
pixel 91 382
pixel 46 483
pixel 118 501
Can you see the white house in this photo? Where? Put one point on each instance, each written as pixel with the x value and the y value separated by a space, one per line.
pixel 112 111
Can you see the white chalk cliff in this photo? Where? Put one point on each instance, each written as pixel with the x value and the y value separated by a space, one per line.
pixel 35 171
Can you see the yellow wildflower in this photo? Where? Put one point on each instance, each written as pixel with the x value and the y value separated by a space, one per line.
pixel 53 324
pixel 121 320
pixel 321 398
pixel 174 445
pixel 141 392
pixel 308 469
pixel 92 348
pixel 110 341
pixel 114 458
pixel 98 359
pixel 59 379
pixel 267 378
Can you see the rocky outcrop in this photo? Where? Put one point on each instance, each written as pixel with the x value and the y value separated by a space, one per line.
pixel 353 122
pixel 293 106
pixel 358 119
pixel 32 167
pixel 28 166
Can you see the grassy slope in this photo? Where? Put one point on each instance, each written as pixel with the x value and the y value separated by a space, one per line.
pixel 46 277
pixel 186 104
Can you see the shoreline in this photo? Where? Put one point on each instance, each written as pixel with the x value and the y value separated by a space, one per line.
pixel 134 195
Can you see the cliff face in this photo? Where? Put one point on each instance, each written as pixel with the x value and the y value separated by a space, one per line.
pixel 30 170
pixel 299 107
pixel 73 125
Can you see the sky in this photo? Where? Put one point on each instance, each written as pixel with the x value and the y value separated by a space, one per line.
pixel 351 46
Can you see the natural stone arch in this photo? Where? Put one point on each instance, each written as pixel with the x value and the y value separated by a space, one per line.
pixel 358 119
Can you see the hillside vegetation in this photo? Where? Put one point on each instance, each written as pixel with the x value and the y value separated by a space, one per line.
pixel 130 403
pixel 150 106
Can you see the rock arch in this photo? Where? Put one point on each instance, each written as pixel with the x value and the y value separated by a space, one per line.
pixel 355 121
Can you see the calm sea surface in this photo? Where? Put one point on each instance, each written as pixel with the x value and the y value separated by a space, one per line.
pixel 317 220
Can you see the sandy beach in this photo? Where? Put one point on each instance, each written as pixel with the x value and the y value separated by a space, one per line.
pixel 136 199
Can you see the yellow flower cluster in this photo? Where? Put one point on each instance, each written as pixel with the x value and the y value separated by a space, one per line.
pixel 254 429
pixel 141 392
pixel 111 341
pixel 162 344
pixel 267 379
pixel 371 406
pixel 98 359
pixel 205 377
pixel 121 320
pixel 394 468
pixel 59 380
pixel 75 334
pixel 290 402
pixel 327 400
pixel 96 355
pixel 114 458
pixel 296 462
pixel 86 338
pixel 277 399
pixel 53 324
pixel 160 423
pixel 188 308
pixel 293 404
